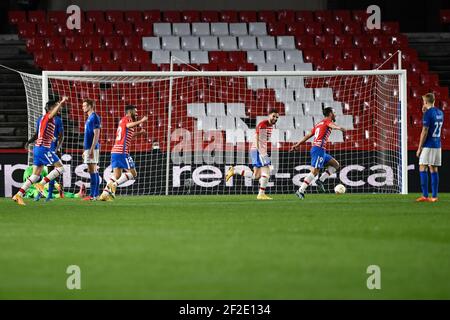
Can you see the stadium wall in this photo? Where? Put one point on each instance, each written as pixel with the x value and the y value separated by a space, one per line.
pixel 13 165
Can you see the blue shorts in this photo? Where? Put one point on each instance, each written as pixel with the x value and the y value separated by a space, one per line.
pixel 122 161
pixel 256 159
pixel 319 158
pixel 43 156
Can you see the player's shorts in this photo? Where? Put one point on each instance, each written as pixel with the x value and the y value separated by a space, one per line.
pixel 319 158
pixel 87 160
pixel 122 161
pixel 430 157
pixel 257 161
pixel 43 156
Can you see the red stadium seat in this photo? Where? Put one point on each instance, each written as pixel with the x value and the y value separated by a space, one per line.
pixel 322 16
pixel 399 41
pixel 312 55
pixel 101 56
pixel 324 65
pixel 143 29
pixel 74 42
pixel 110 66
pixel 57 17
pixel 304 42
pixel 324 40
pixel 343 65
pixel 91 67
pixel 390 27
pixel 360 16
pixel 93 42
pixel 41 57
pixel 276 28
pixel 341 16
pixel 444 16
pixel 121 56
pixel 413 79
pixel 54 43
pixel 112 42
pixel 371 55
pixel 352 28
pixel 171 16
pixel 379 41
pixel 104 28
pixel 71 66
pixel 45 29
pixel 16 17
pixel 441 93
pixel 52 66
pixel 132 42
pixel 343 41
pixel 409 55
pixel 267 16
pixel 229 16
pixel 114 16
pixel 332 54
pixel 333 28
pixel 419 66
pixel 429 80
pixel 37 16
pixel 313 28
pixel 82 56
pixel 190 16
pixel 87 29
pixel 218 57
pixel 95 16
pixel 295 29
pixel 361 41
pixel 152 16
pixel 63 31
pixel 361 65
pixel 123 28
pixel 238 57
pixel 27 30
pixel 287 16
pixel 148 67
pixel 351 54
pixel 35 44
pixel 133 16
pixel 248 16
pixel 304 16
pixel 209 16
pixel 62 56
pixel 140 56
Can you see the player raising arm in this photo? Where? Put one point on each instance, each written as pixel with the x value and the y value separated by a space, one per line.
pixel 42 152
pixel 260 158
pixel 429 150
pixel 91 154
pixel 120 158
pixel 319 157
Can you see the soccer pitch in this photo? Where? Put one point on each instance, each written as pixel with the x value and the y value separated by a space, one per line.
pixel 227 247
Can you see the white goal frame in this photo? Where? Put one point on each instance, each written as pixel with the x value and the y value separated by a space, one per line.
pixel 401 73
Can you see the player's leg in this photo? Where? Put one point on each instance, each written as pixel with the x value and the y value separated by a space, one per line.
pixel 434 183
pixel 51 186
pixel 423 171
pixel 317 161
pixel 128 175
pixel 332 165
pixel 35 176
pixel 263 182
pixel 232 171
pixel 55 173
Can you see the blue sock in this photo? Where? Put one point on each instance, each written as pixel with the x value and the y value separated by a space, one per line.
pixel 424 183
pixel 51 187
pixel 97 187
pixel 93 183
pixel 434 184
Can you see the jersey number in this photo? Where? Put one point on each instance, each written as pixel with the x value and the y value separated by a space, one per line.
pixel 437 129
pixel 119 134
pixel 316 133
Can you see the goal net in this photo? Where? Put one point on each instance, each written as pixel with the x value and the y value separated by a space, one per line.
pixel 201 123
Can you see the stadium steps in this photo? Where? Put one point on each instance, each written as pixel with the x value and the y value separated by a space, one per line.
pixel 13 104
pixel 435 49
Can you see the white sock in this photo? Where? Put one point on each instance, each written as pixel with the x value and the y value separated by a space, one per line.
pixel 30 180
pixel 263 181
pixel 328 172
pixel 55 173
pixel 124 178
pixel 111 180
pixel 245 173
pixel 306 182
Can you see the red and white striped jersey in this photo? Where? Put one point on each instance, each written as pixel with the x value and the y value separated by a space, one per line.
pixel 264 132
pixel 45 128
pixel 321 132
pixel 123 136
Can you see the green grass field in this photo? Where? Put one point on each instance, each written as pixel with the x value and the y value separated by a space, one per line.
pixel 227 247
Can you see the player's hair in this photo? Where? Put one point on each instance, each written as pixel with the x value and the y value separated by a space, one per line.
pixel 129 107
pixel 89 102
pixel 273 110
pixel 327 111
pixel 50 104
pixel 429 97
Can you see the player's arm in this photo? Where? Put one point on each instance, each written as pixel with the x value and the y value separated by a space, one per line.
pixel 60 141
pixel 136 123
pixel 336 127
pixel 305 138
pixel 31 140
pixel 423 136
pixel 58 107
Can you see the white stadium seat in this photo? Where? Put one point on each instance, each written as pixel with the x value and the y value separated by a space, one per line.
pixel 266 43
pixel 206 123
pixel 236 110
pixel 200 29
pixel 228 43
pixel 295 82
pixel 196 110
pixel 336 105
pixel 151 43
pixel 250 135
pixel 312 108
pixel 323 94
pixel 284 95
pixel 238 29
pixel 181 29
pixel 162 29
pixel 276 82
pixel 190 43
pixel 294 135
pixel 180 56
pixel 257 28
pixel 224 123
pixel 305 123
pixel 215 109
pixel 219 29
pixel 265 67
pixel 293 56
pixel 304 94
pixel 256 57
pixel 273 56
pixel 240 124
pixel 285 42
pixel 336 136
pixel 256 83
pixel 170 43
pixel 208 43
pixel 284 67
pixel 235 136
pixel 159 56
pixel 303 67
pixel 199 57
pixel 247 43
pixel 294 108
pixel 285 122
pixel 345 121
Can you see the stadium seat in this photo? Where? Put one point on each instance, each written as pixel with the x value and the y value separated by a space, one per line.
pixel 162 29
pixel 341 16
pixel 151 16
pixel 121 56
pixel 45 29
pixel 54 43
pixel 304 16
pixel 144 29
pixel 61 56
pixel 390 27
pixel 333 28
pixel 285 42
pixel 180 57
pixel 247 16
pixel 209 43
pixel 209 16
pixel 17 17
pixel 190 43
pixel 190 16
pixel 200 29
pixel 133 16
pixel 237 57
pixel 130 66
pixel 312 108
pixel 332 54
pixel 360 16
pixel 37 16
pixel 323 40
pixel 160 57
pixel 87 29
pixel 112 42
pixel 41 57
pixel 293 56
pixel 26 30
pixel 104 28
pixel 228 43
pixel 228 16
pixel 82 56
pixel 95 16
pixel 93 42
pixel 114 16
pixel 101 56
pixel 257 29
pixel 181 29
pixel 313 28
pixel 35 44
pixel 238 29
pixel 247 43
pixel 199 57
pixel 304 94
pixel 170 43
pixel 352 28
pixel 305 42
pixel 171 16
pixel 287 16
pixel 256 57
pixel 295 29
pixel 312 55
pixel 266 43
pixel 123 28
pixel 276 28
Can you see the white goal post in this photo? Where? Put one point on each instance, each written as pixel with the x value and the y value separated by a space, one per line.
pixel 200 123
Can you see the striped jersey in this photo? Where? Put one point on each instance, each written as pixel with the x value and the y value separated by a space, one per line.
pixel 45 128
pixel 123 136
pixel 321 132
pixel 264 132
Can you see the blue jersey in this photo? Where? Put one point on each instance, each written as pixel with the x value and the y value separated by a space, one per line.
pixel 59 129
pixel 93 122
pixel 433 119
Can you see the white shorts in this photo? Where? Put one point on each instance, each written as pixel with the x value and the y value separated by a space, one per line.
pixel 430 157
pixel 87 160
